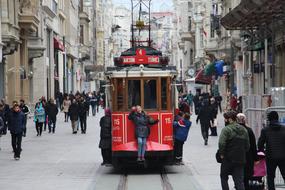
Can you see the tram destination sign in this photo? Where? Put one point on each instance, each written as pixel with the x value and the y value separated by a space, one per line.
pixel 141 58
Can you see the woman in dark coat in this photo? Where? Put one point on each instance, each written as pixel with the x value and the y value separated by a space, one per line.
pixel 214 112
pixel 251 155
pixel 106 137
pixel 205 116
pixel 73 113
pixel 141 121
pixel 51 111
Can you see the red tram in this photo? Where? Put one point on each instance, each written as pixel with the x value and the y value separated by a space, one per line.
pixel 141 76
pixel 143 79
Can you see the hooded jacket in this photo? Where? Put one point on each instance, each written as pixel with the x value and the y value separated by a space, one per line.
pixel 182 129
pixel 273 137
pixel 234 143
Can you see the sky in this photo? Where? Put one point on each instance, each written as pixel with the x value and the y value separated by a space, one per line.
pixel 157 5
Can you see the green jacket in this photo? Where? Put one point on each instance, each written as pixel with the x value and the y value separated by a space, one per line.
pixel 234 143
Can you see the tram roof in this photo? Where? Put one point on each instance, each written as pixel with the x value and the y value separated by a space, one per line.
pixel 135 71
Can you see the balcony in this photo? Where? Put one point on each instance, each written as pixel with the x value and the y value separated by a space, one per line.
pixel 187 36
pixel 35 47
pixel 84 17
pixel 29 23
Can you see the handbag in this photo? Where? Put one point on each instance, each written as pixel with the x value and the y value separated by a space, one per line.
pixel 218 157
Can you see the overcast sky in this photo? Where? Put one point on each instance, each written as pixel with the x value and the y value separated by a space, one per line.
pixel 157 5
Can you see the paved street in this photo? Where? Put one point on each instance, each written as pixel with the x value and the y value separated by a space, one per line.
pixel 72 162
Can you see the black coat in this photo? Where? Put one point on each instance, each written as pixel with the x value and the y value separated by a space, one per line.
pixel 83 108
pixel 73 112
pixel 273 137
pixel 105 132
pixel 213 110
pixel 251 154
pixel 16 122
pixel 51 111
pixel 205 114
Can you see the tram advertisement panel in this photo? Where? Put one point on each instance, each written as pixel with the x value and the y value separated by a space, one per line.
pixel 167 129
pixel 117 128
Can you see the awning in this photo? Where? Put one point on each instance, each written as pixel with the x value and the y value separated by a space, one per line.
pixel 201 78
pixel 58 45
pixel 250 14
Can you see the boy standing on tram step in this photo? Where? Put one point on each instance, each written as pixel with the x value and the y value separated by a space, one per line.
pixel 16 124
pixel 181 129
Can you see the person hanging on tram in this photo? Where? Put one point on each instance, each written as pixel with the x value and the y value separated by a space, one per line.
pixel 142 131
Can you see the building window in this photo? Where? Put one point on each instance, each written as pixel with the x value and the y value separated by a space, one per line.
pixel 81 6
pixel 212 27
pixel 189 6
pixel 81 40
pixel 61 4
pixel 134 93
pixel 150 97
pixel 54 6
pixel 189 23
pixel 62 26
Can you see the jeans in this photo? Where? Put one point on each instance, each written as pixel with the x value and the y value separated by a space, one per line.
pixel 178 150
pixel 45 123
pixel 234 169
pixel 39 128
pixel 74 125
pixel 16 144
pixel 271 166
pixel 205 129
pixel 83 123
pixel 93 109
pixel 25 126
pixel 141 146
pixel 66 116
pixel 53 123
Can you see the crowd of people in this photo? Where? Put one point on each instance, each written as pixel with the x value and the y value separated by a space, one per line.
pixel 75 106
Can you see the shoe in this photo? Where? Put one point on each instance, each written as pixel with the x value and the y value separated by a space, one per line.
pixel 38 134
pixel 142 159
pixel 103 163
pixel 24 135
pixel 49 132
pixel 139 159
pixel 206 142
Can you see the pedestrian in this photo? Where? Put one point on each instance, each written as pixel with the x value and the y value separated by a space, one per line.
pixel 52 111
pixel 66 104
pixel 233 145
pixel 142 131
pixel 204 116
pixel 233 103
pixel 239 104
pixel 73 114
pixel 26 111
pixel 2 124
pixel 181 129
pixel 183 106
pixel 39 118
pixel 219 100
pixel 196 100
pixel 83 109
pixel 189 99
pixel 99 100
pixel 106 137
pixel 214 112
pixel 251 154
pixel 16 124
pixel 6 111
pixel 44 103
pixel 93 102
pixel 273 137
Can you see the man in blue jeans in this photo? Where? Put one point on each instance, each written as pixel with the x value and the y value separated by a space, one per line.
pixel 233 145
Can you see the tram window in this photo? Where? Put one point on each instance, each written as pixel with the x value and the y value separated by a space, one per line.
pixel 150 96
pixel 120 95
pixel 163 93
pixel 134 93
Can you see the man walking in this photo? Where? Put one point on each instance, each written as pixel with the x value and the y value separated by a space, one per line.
pixel 233 145
pixel 83 109
pixel 16 123
pixel 52 112
pixel 273 136
pixel 26 111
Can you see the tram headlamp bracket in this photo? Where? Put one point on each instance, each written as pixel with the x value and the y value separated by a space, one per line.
pixel 141 69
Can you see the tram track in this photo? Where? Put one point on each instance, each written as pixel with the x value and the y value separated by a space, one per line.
pixel 164 180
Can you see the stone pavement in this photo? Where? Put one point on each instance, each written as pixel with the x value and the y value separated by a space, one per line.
pixel 72 162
